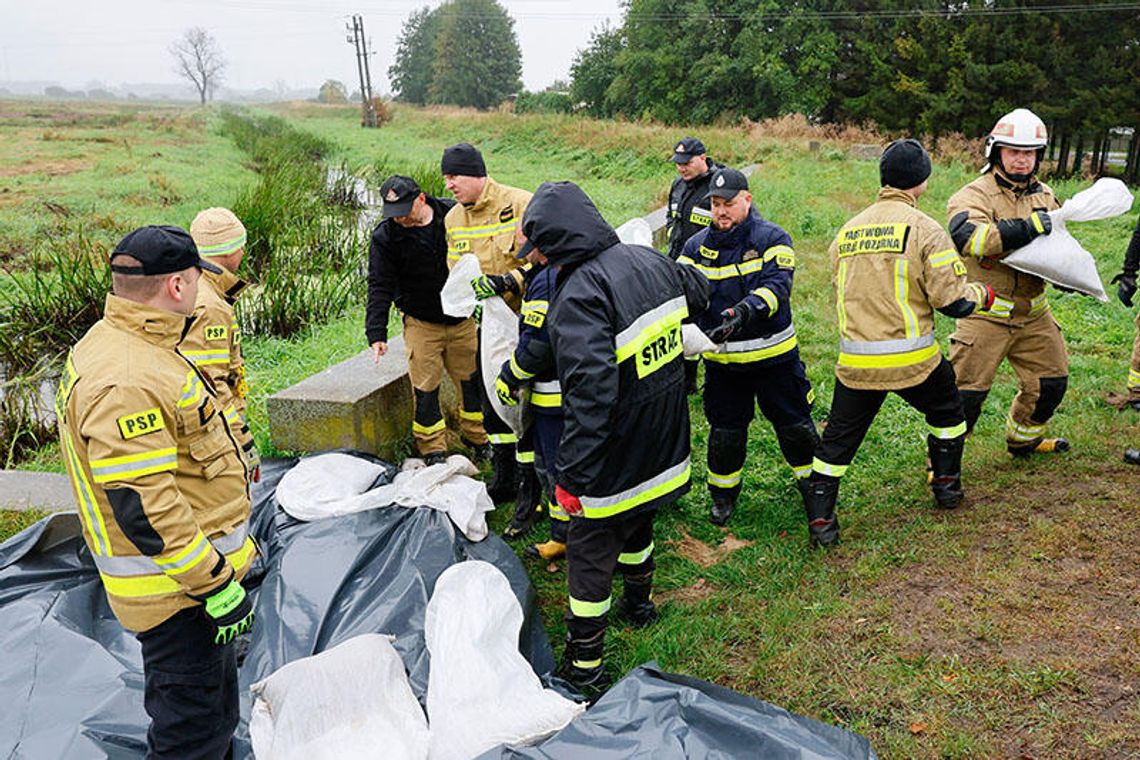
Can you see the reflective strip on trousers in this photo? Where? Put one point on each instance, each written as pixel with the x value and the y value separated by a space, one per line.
pixel 801 471
pixel 547 394
pixel 502 438
pixel 832 470
pixel 1133 379
pixel 725 481
pixel 428 429
pixel 646 491
pixel 948 433
pixel 1022 433
pixel 524 457
pixel 584 609
pixel 636 558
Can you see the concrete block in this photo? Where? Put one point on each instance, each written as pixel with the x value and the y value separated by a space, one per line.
pixel 355 404
pixel 866 152
pixel 45 491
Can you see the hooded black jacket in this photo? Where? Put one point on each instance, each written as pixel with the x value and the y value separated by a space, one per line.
pixel 615 327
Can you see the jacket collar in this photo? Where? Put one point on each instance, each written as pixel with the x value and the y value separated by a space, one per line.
pixel 228 284
pixel 889 193
pixel 1017 188
pixel 490 190
pixel 156 326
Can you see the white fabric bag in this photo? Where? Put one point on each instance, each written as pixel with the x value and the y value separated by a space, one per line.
pixel 695 342
pixel 353 700
pixel 498 336
pixel 1058 257
pixel 457 297
pixel 334 484
pixel 636 232
pixel 481 691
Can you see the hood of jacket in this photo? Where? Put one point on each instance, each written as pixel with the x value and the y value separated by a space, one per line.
pixel 563 223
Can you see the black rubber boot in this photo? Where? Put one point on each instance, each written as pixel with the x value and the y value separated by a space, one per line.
pixel 636 603
pixel 721 510
pixel 582 666
pixel 946 470
pixel 480 452
pixel 1132 456
pixel 726 454
pixel 504 476
pixel 820 496
pixel 528 503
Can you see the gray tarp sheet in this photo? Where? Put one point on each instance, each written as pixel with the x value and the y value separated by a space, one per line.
pixel 71 677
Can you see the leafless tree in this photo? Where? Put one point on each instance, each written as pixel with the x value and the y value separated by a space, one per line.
pixel 198 59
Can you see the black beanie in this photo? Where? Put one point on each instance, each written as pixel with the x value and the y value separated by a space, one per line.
pixel 904 164
pixel 464 159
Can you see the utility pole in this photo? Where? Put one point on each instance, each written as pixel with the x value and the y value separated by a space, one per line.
pixel 363 51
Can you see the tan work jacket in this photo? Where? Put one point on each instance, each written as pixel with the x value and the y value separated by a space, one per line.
pixel 213 343
pixel 158 478
pixel 1019 297
pixel 487 229
pixel 892 265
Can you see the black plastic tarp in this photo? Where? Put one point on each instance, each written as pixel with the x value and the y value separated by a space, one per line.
pixel 663 716
pixel 71 677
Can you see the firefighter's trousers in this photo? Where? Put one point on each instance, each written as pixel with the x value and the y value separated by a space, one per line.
pixel 784 396
pixel 1036 351
pixel 433 348
pixel 547 430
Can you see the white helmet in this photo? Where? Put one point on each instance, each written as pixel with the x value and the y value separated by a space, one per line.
pixel 1020 128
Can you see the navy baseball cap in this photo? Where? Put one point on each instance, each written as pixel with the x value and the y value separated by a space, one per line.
pixel 399 193
pixel 684 151
pixel 160 250
pixel 726 183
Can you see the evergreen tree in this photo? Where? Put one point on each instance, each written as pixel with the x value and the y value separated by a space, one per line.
pixel 476 55
pixel 411 73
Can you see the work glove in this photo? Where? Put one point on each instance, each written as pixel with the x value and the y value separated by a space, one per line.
pixel 571 505
pixel 734 319
pixel 487 285
pixel 230 610
pixel 1126 287
pixel 986 296
pixel 505 392
pixel 1041 222
pixel 478 314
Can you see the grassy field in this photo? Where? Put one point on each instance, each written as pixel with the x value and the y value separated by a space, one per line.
pixel 1007 628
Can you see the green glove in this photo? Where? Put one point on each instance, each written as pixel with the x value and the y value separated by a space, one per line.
pixel 487 285
pixel 230 610
pixel 505 392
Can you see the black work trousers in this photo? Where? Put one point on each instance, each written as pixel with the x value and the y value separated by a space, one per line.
pixel 191 689
pixel 853 411
pixel 594 550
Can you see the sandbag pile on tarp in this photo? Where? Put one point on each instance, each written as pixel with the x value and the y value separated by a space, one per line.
pixel 71 677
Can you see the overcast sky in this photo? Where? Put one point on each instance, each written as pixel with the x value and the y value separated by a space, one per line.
pixel 297 42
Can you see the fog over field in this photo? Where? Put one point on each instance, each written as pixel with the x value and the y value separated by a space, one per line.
pixel 269 44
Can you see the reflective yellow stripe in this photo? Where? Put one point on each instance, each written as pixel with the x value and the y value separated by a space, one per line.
pixel 801 471
pixel 1037 225
pixel 191 556
pixel 480 231
pixel 191 391
pixel 501 438
pixel 978 244
pixel 752 356
pixel 465 415
pixel 636 558
pixel 1002 309
pixel 453 256
pixel 557 512
pixel 581 608
pixel 840 286
pixel 524 457
pixel 731 270
pixel 92 516
pixel 879 361
pixel 646 491
pixel 1022 433
pixel 206 358
pixel 518 371
pixel 1133 378
pixel 134 465
pixel 1039 304
pixel 769 298
pixel 947 433
pixel 243 556
pixel 649 326
pixel 135 586
pixel 902 297
pixel 546 400
pixel 428 429
pixel 221 249
pixel 823 468
pixel 944 258
pixel 726 481
pixel 587 664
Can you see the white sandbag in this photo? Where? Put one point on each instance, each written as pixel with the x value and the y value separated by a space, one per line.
pixel 498 336
pixel 334 484
pixel 694 341
pixel 353 700
pixel 457 297
pixel 1058 257
pixel 636 232
pixel 481 691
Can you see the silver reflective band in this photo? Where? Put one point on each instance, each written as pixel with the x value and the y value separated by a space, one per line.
pixel 547 386
pixel 881 347
pixel 138 565
pixel 738 346
pixel 629 334
pixel 231 542
pixel 597 502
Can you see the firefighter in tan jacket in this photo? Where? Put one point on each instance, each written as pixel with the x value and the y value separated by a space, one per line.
pixel 485 223
pixel 892 267
pixel 214 340
pixel 162 492
pixel 1001 211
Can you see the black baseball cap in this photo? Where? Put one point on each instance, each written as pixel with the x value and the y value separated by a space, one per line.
pixel 399 193
pixel 524 249
pixel 160 250
pixel 726 183
pixel 684 151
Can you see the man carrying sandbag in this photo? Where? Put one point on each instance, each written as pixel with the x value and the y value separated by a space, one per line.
pixel 1001 211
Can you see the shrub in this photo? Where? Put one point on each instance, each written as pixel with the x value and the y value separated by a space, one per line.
pixel 543 102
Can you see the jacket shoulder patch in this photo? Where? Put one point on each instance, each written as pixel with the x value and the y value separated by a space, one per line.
pixel 507 214
pixel 709 253
pixel 141 423
pixel 750 255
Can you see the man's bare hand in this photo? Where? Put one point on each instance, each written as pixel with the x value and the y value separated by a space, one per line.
pixel 379 348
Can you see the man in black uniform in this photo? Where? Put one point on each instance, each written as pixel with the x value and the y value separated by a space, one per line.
pixel 615 328
pixel 689 212
pixel 407 263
